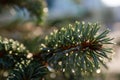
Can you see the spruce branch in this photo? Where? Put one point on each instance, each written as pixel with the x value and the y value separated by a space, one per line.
pixel 77 48
pixel 28 71
pixel 19 62
pixel 11 52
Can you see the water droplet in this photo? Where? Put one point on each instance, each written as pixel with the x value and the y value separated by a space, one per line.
pixel 66 54
pixel 98 71
pixel 73 71
pixel 48 50
pixel 60 62
pixel 50 69
pixel 30 55
pixel 63 70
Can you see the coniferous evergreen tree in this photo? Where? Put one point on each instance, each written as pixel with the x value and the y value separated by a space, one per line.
pixel 76 50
